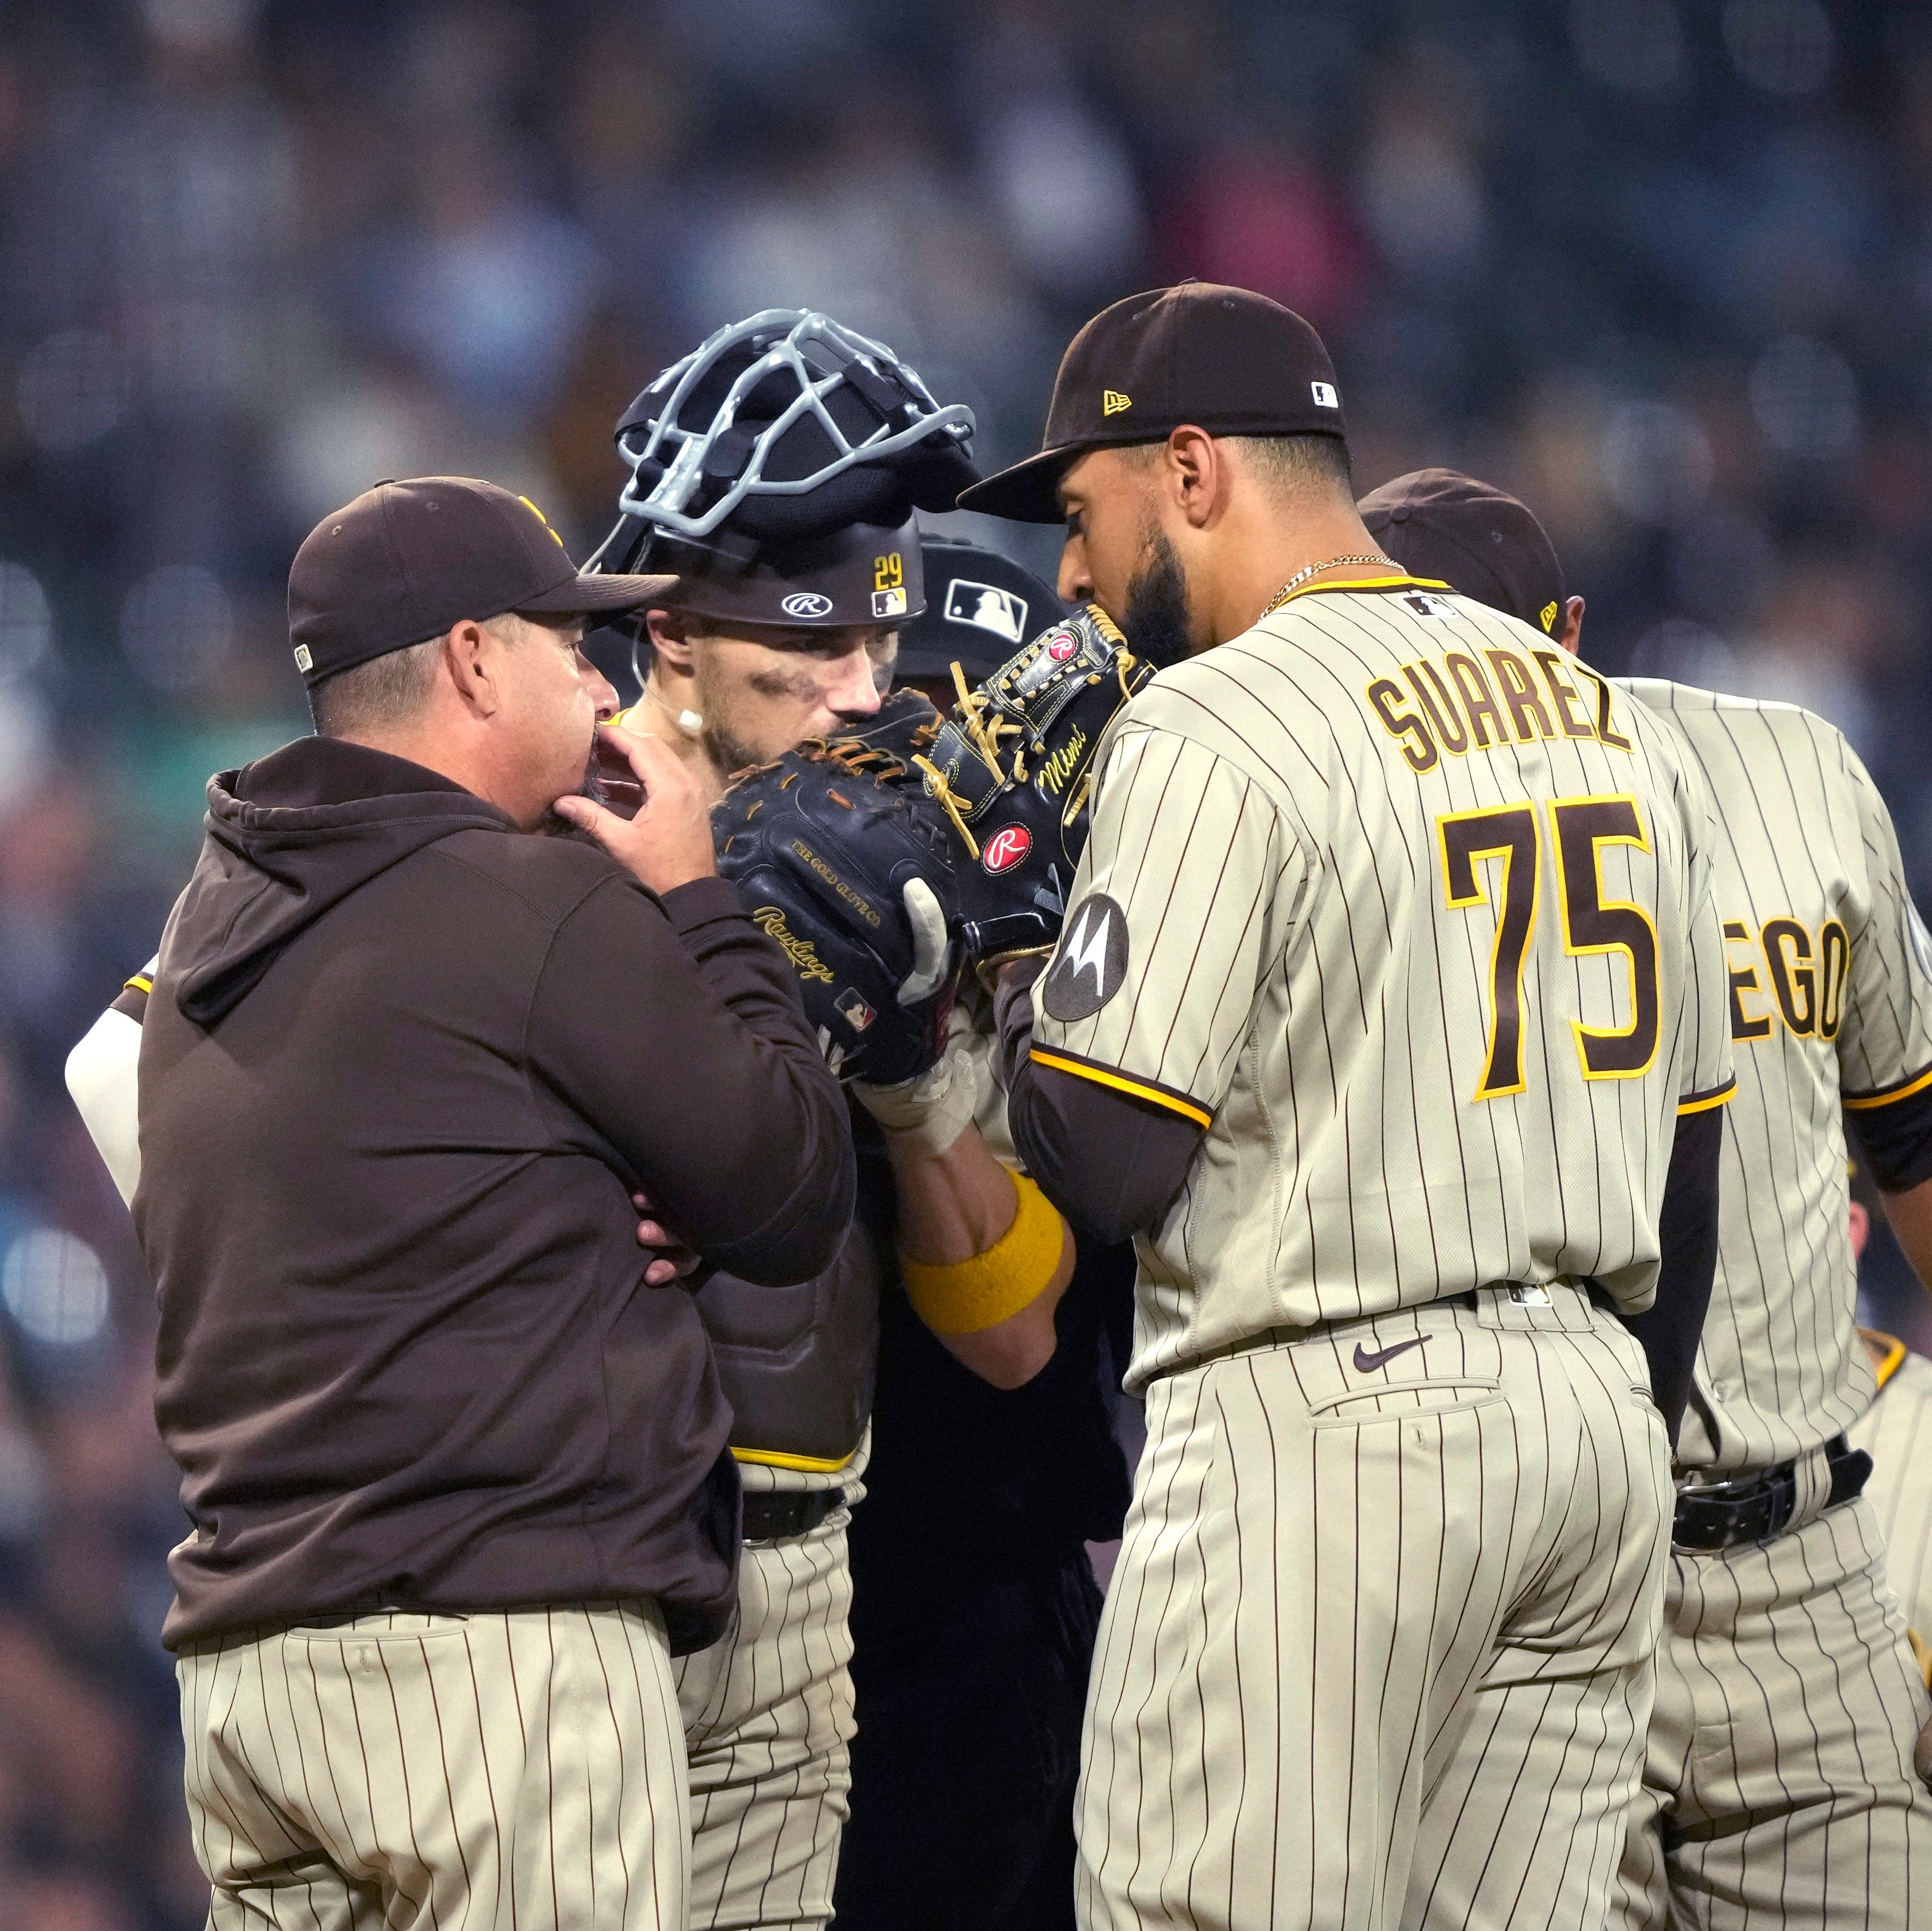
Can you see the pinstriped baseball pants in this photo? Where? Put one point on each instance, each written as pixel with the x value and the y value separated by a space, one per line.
pixel 1779 1793
pixel 1377 1652
pixel 519 1769
pixel 768 1720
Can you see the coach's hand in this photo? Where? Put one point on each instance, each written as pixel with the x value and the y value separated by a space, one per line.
pixel 668 843
pixel 671 1261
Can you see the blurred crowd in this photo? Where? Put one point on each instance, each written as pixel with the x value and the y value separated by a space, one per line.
pixel 1664 267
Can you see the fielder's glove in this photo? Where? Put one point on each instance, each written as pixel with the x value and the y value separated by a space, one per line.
pixel 1012 770
pixel 853 884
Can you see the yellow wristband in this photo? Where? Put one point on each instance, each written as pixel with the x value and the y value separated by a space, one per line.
pixel 980 1292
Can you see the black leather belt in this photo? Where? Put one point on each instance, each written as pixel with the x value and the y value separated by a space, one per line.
pixel 772 1515
pixel 1756 1506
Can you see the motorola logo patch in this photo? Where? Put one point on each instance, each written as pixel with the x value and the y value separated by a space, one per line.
pixel 1093 961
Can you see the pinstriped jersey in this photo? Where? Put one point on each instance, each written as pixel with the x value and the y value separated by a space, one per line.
pixel 1412 915
pixel 1831 976
pixel 1896 1431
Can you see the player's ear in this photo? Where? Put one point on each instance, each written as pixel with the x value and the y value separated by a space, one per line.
pixel 671 638
pixel 1196 471
pixel 1571 634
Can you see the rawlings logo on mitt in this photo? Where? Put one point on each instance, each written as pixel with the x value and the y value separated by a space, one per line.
pixel 853 885
pixel 1012 769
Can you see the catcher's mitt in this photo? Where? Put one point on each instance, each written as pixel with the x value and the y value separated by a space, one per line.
pixel 904 726
pixel 1012 770
pixel 854 885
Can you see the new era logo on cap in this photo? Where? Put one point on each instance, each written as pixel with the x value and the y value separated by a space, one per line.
pixel 1224 360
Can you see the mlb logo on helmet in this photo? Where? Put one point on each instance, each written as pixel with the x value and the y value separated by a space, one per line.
pixel 986 607
pixel 1325 395
pixel 1006 848
pixel 889 594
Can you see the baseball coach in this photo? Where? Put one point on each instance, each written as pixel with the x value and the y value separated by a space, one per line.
pixel 456 1469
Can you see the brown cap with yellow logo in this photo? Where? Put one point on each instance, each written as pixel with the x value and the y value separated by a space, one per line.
pixel 862 574
pixel 405 561
pixel 1478 539
pixel 1224 359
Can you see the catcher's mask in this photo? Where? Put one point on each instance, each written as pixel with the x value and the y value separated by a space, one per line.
pixel 774 470
pixel 783 426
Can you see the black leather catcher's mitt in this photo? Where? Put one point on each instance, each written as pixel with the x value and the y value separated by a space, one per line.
pixel 1013 768
pixel 852 881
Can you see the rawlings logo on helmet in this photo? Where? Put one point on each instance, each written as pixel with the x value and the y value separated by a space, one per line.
pixel 1006 848
pixel 806 604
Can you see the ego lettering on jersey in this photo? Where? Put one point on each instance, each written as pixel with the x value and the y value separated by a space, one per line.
pixel 1093 961
pixel 1465 700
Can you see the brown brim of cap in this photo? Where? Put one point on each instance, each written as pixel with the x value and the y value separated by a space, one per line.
pixel 1024 493
pixel 588 591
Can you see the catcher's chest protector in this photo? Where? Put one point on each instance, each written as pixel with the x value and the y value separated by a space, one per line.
pixel 797 1362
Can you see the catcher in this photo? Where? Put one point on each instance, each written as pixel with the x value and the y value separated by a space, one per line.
pixel 991 1458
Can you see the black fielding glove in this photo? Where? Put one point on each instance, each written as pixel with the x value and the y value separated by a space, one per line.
pixel 1012 771
pixel 853 883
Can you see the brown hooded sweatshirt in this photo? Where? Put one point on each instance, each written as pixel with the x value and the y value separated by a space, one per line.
pixel 400 1072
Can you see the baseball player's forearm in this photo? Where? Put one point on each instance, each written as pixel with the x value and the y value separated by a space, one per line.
pixel 1669 1328
pixel 102 1075
pixel 955 1206
pixel 1110 1164
pixel 1910 1215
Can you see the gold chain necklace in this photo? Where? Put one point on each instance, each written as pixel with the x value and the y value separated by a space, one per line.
pixel 1300 577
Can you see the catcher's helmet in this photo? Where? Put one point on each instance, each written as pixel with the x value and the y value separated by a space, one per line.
pixel 761 446
pixel 980 608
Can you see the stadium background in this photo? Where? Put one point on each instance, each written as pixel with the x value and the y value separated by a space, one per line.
pixel 1663 266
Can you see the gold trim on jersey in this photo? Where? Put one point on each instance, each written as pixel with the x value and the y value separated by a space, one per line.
pixel 1108 1076
pixel 802 1464
pixel 1884 1096
pixel 1703 1103
pixel 1361 583
pixel 1895 1352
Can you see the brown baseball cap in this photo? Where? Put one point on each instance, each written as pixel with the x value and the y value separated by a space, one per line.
pixel 1225 359
pixel 405 561
pixel 1478 539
